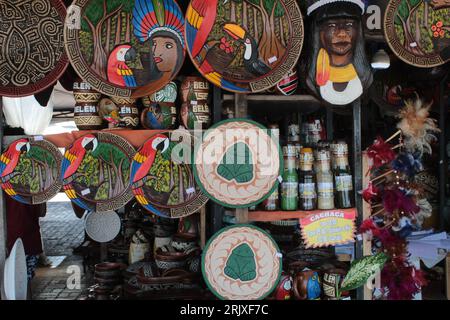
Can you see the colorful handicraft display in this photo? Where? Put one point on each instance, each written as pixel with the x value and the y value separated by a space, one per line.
pixel 29 170
pixel 244 46
pixel 339 71
pixel 195 108
pixel 96 171
pixel 418 31
pixel 160 111
pixel 125 48
pixel 241 263
pixel 31 37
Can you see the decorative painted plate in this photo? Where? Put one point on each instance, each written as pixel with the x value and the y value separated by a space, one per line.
pixel 29 170
pixel 241 263
pixel 96 170
pixel 125 48
pixel 162 178
pixel 102 227
pixel 244 46
pixel 418 31
pixel 15 277
pixel 32 55
pixel 238 163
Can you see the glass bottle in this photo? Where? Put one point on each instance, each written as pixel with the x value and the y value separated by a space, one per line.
pixel 343 179
pixel 272 203
pixel 289 186
pixel 324 177
pixel 307 181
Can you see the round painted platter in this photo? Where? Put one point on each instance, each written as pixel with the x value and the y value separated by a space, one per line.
pixel 32 54
pixel 244 46
pixel 96 170
pixel 29 170
pixel 418 31
pixel 102 226
pixel 238 163
pixel 241 263
pixel 125 48
pixel 15 278
pixel 162 177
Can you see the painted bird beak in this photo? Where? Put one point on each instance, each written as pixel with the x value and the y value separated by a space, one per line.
pixel 235 31
pixel 130 55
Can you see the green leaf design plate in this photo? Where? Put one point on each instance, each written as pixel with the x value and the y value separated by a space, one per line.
pixel 238 163
pixel 29 170
pixel 241 262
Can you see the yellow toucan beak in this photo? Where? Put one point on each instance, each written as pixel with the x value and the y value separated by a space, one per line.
pixel 235 31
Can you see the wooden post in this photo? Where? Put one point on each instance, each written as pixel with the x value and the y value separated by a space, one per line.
pixel 367 244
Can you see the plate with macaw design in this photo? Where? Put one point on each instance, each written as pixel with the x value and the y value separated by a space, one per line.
pixel 241 262
pixel 238 163
pixel 125 48
pixel 418 31
pixel 96 170
pixel 29 170
pixel 244 46
pixel 162 178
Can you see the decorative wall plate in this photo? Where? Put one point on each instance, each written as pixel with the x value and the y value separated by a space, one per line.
pixel 244 46
pixel 162 178
pixel 32 55
pixel 125 48
pixel 419 31
pixel 15 278
pixel 29 170
pixel 238 163
pixel 96 170
pixel 241 263
pixel 102 227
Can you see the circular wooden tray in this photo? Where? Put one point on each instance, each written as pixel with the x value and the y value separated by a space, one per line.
pixel 32 55
pixel 238 163
pixel 125 48
pixel 91 168
pixel 29 170
pixel 241 263
pixel 244 46
pixel 430 46
pixel 155 176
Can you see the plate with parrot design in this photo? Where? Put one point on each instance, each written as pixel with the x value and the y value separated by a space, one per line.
pixel 418 31
pixel 162 177
pixel 238 163
pixel 241 262
pixel 125 48
pixel 29 170
pixel 33 55
pixel 96 170
pixel 244 46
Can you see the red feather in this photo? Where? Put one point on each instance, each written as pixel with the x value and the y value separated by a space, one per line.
pixel 381 153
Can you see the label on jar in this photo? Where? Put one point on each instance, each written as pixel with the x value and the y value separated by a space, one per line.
pixel 289 190
pixel 307 190
pixel 325 189
pixel 344 183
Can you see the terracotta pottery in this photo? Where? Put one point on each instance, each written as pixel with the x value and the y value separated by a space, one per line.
pixel 128 112
pixel 30 171
pixel 167 94
pixel 159 116
pixel 237 47
pixel 109 112
pixel 289 84
pixel 33 54
pixel 307 285
pixel 241 263
pixel 332 280
pixel 86 112
pixel 171 279
pixel 244 168
pixel 429 46
pixel 195 108
pixel 127 50
pixel 162 179
pixel 284 289
pixel 170 260
pixel 96 171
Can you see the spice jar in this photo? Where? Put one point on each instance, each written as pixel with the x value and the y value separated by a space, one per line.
pixel 289 186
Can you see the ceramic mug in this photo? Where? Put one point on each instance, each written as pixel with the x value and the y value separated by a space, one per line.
pixel 307 285
pixel 283 290
pixel 332 280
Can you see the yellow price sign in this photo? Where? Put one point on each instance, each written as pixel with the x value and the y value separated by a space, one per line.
pixel 328 228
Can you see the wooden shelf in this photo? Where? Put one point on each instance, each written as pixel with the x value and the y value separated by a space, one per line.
pixel 267 216
pixel 271 97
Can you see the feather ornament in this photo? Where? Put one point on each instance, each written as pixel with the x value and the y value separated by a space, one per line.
pixel 407 163
pixel 380 153
pixel 396 200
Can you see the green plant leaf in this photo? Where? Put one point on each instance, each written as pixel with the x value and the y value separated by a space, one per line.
pixel 241 264
pixel 237 164
pixel 362 270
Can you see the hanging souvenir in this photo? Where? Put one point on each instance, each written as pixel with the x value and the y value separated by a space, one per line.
pixel 288 85
pixel 125 48
pixel 244 46
pixel 241 263
pixel 127 111
pixel 161 176
pixel 109 112
pixel 238 163
pixel 86 112
pixel 29 170
pixel 194 107
pixel 160 111
pixel 338 69
pixel 33 55
pixel 96 170
pixel 418 31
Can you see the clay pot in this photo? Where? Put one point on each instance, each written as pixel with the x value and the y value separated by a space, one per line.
pixel 283 291
pixel 332 280
pixel 86 115
pixel 171 279
pixel 182 242
pixel 306 282
pixel 195 108
pixel 167 94
pixel 128 112
pixel 170 260
pixel 159 116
